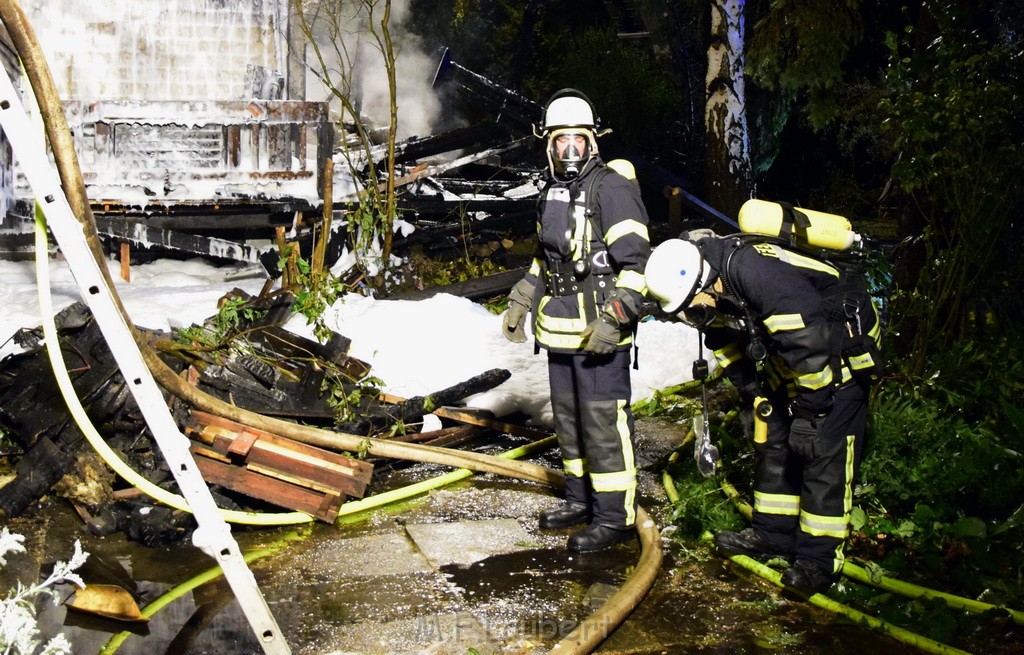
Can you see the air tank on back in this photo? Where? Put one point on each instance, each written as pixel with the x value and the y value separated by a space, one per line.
pixel 773 219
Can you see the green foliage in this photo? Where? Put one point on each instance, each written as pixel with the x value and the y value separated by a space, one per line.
pixel 315 293
pixel 945 441
pixel 432 272
pixel 346 396
pixel 231 313
pixel 953 118
pixel 942 475
pixel 674 402
pixel 640 106
pixel 798 49
pixel 702 507
pixel 222 326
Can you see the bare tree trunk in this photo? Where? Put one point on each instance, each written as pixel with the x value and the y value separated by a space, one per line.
pixel 728 180
pixel 390 198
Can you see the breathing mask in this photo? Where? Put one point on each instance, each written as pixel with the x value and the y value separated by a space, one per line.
pixel 569 150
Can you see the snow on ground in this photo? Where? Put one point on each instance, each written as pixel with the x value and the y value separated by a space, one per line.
pixel 415 347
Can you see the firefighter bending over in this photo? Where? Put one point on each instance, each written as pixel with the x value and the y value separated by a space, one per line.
pixel 798 338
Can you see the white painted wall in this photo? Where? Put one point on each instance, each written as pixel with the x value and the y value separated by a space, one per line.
pixel 159 49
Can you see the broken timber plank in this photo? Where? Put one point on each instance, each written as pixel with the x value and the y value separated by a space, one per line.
pixel 278 492
pixel 288 456
pixel 464 416
pixel 270 456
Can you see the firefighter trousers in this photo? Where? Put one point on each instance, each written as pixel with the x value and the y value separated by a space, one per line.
pixel 802 504
pixel 590 401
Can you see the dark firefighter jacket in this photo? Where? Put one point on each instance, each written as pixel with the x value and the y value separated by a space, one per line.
pixel 613 241
pixel 813 325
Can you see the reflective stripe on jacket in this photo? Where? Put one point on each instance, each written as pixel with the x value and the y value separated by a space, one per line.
pixel 789 295
pixel 617 255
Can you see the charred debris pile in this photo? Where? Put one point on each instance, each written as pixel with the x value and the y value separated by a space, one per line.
pixel 253 363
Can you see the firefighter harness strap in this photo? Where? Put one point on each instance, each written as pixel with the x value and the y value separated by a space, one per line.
pixel 213 536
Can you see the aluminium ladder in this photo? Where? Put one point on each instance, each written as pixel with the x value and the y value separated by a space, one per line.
pixel 213 536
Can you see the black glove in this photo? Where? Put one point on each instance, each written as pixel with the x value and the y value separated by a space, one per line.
pixel 804 435
pixel 620 309
pixel 513 325
pixel 600 337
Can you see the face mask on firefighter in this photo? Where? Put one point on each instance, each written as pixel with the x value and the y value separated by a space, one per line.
pixel 702 310
pixel 569 152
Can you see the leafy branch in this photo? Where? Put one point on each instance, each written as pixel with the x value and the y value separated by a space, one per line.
pixel 19 632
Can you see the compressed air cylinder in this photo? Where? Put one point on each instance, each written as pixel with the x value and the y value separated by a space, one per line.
pixel 769 218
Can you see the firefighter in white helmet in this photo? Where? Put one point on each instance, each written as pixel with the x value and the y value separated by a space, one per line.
pixel 585 287
pixel 798 339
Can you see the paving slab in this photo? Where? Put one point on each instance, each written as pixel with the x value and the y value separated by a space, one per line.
pixel 466 542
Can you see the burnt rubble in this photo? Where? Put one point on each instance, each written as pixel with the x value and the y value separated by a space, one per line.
pixel 255 364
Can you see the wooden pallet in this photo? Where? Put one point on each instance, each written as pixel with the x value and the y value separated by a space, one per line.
pixel 275 469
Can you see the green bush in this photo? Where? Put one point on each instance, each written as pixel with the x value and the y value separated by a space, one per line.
pixel 952 441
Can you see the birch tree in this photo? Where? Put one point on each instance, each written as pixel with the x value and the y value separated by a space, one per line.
pixel 728 179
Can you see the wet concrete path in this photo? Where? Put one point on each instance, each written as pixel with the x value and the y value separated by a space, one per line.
pixel 461 570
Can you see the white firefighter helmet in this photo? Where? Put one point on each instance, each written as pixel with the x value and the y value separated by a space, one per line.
pixel 675 273
pixel 569 108
pixel 569 124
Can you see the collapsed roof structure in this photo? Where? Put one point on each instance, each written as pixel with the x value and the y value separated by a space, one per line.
pixel 196 131
pixel 191 118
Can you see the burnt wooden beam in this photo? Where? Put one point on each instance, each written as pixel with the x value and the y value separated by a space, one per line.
pixel 139 233
pixel 481 287
pixel 457 139
pixel 374 416
pixel 277 492
pixel 275 469
pixel 476 418
pixel 437 205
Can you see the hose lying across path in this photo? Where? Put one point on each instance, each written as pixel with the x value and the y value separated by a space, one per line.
pixel 588 634
pixel 893 585
pixel 176 592
pixel 856 573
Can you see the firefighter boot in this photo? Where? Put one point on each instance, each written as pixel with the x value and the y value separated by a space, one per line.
pixel 809 576
pixel 747 542
pixel 565 515
pixel 574 511
pixel 597 537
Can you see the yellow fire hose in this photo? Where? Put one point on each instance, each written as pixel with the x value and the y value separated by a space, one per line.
pixel 856 573
pixel 886 583
pixel 823 601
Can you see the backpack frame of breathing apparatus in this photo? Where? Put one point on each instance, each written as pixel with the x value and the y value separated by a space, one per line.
pixel 842 302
